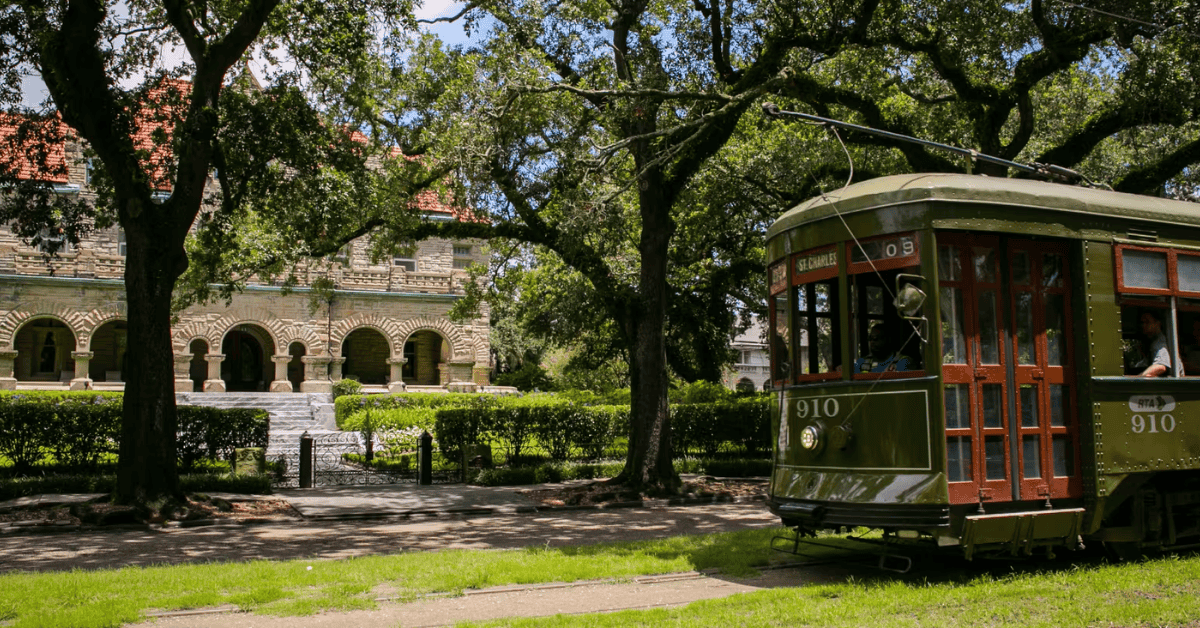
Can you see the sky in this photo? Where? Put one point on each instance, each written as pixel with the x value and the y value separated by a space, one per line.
pixel 34 90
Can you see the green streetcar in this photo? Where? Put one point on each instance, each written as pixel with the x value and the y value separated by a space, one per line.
pixel 975 362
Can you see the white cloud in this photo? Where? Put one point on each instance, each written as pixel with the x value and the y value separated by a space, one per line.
pixel 431 9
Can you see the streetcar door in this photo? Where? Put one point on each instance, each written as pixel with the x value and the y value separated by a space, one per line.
pixel 974 355
pixel 1010 425
pixel 1045 433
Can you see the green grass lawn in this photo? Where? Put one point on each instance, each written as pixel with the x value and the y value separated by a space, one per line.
pixel 1154 593
pixel 1089 592
pixel 112 597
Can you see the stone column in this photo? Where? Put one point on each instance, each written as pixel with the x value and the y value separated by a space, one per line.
pixel 183 373
pixel 443 370
pixel 281 383
pixel 335 368
pixel 316 374
pixel 81 381
pixel 455 372
pixel 214 383
pixel 396 378
pixel 8 360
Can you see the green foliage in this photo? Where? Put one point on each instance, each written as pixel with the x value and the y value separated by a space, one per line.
pixel 530 377
pixel 80 428
pixel 545 473
pixel 346 386
pixel 391 418
pixel 736 468
pixel 64 484
pixel 743 425
pixel 700 392
pixel 403 463
pixel 259 484
pixel 11 488
pixel 214 433
pixel 344 407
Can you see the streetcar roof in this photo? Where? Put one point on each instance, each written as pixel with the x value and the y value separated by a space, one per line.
pixel 963 188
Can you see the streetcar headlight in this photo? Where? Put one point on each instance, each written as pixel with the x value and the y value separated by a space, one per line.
pixel 810 438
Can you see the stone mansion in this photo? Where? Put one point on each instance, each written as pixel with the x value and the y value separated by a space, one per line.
pixel 63 323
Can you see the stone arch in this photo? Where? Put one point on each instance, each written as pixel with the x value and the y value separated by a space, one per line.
pixel 256 316
pixel 99 317
pixel 247 366
pixel 182 336
pixel 451 333
pixel 482 351
pixel 44 347
pixel 382 324
pixel 108 343
pixel 302 334
pixel 366 350
pixel 24 312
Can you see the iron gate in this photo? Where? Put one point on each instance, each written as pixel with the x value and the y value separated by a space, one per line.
pixel 331 468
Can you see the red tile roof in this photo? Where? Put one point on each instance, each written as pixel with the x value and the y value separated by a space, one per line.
pixel 153 127
pixel 22 155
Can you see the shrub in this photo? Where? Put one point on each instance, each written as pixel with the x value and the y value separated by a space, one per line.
pixel 597 427
pixel 710 427
pixel 700 392
pixel 528 378
pixel 738 468
pixel 458 427
pixel 346 386
pixel 392 418
pixel 545 473
pixel 346 406
pixel 215 432
pixel 226 483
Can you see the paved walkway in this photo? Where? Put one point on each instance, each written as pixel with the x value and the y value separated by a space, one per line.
pixel 406 500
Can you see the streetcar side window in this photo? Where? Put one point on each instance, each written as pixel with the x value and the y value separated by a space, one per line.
pixel 817 335
pixel 781 337
pixel 816 311
pixel 1160 311
pixel 1145 341
pixel 1189 336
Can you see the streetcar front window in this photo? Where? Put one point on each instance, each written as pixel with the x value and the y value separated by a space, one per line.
pixel 884 340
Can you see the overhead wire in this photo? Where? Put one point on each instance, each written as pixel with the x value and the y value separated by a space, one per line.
pixel 916 333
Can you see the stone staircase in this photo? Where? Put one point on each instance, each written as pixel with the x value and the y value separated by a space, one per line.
pixel 292 414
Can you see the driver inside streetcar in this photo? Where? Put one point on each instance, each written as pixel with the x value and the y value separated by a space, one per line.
pixel 882 357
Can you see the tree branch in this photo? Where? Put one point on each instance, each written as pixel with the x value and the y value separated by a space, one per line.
pixel 1150 178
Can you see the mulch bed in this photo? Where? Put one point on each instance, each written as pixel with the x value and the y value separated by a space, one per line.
pixel 600 492
pixel 100 513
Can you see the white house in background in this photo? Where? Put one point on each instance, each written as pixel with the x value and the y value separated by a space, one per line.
pixel 752 369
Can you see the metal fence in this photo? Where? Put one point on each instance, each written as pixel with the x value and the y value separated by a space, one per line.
pixel 323 461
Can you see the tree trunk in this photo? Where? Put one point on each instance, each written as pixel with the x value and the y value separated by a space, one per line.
pixel 146 470
pixel 648 462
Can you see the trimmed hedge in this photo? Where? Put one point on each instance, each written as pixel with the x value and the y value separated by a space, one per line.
pixel 79 428
pixel 347 405
pixel 563 429
pixel 741 425
pixel 12 488
pixel 564 425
